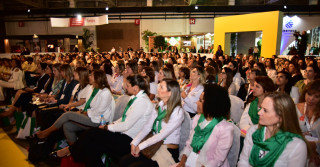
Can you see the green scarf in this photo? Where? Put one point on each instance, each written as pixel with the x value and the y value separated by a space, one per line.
pixel 93 94
pixel 253 111
pixel 161 115
pixel 201 136
pixel 275 145
pixel 124 116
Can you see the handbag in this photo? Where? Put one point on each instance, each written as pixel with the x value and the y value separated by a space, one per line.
pixel 27 128
pixel 151 150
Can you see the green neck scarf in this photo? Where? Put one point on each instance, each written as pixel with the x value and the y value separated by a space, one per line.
pixel 275 145
pixel 93 94
pixel 124 116
pixel 201 136
pixel 161 115
pixel 253 111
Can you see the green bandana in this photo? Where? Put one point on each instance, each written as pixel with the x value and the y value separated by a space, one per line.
pixel 161 115
pixel 93 94
pixel 124 116
pixel 275 145
pixel 201 136
pixel 253 111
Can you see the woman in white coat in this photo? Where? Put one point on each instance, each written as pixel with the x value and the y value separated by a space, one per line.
pixel 100 103
pixel 16 79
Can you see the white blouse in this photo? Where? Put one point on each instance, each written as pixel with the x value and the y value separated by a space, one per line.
pixel 189 103
pixel 136 117
pixel 84 93
pixel 102 104
pixel 245 121
pixel 295 153
pixel 170 131
pixel 116 83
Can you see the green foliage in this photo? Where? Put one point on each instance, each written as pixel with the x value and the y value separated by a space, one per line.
pixel 159 41
pixel 145 36
pixel 87 39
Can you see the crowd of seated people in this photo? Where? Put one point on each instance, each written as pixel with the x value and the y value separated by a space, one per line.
pixel 219 111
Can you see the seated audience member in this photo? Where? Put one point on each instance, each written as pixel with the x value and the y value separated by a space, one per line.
pixel 193 91
pixel 277 140
pixel 262 85
pixel 16 78
pixel 284 84
pixel 184 77
pixel 226 81
pixel 148 71
pixel 117 79
pixel 165 124
pixel 312 72
pixel 114 139
pixel 100 103
pixel 211 136
pixel 245 91
pixel 295 72
pixel 308 115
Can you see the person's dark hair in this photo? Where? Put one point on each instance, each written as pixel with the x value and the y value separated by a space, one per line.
pixel 235 64
pixel 216 101
pixel 186 72
pixel 296 66
pixel 289 84
pixel 100 79
pixel 257 72
pixel 272 64
pixel 83 76
pixel 133 65
pixel 211 72
pixel 251 64
pixel 229 74
pixel 43 66
pixel 108 68
pixel 315 69
pixel 175 98
pixel 155 66
pixel 121 67
pixel 140 81
pixel 263 69
pixel 95 66
pixel 174 61
pixel 266 83
pixel 312 88
pixel 150 73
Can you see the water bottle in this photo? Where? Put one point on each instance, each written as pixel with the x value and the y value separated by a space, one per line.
pixel 102 121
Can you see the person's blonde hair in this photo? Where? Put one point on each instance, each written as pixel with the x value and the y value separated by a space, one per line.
pixel 201 72
pixel 68 72
pixel 167 72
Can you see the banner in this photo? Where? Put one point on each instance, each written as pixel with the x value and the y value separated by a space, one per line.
pixel 84 21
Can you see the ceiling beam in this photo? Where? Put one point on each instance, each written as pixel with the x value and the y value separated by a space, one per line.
pixel 32 3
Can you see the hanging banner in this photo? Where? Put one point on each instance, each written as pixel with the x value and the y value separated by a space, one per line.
pixel 84 21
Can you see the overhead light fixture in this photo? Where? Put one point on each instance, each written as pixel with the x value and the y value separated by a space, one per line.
pixel 35 36
pixel 79 17
pixel 29 10
pixel 196 7
pixel 285 6
pixel 77 36
pixel 107 8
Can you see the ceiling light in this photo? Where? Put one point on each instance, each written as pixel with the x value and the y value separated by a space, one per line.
pixel 79 17
pixel 196 7
pixel 107 8
pixel 29 10
pixel 285 6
